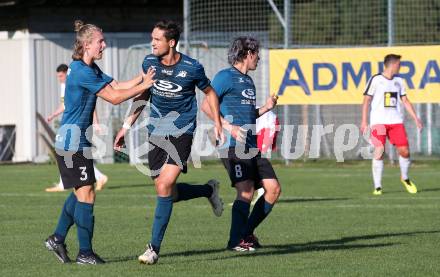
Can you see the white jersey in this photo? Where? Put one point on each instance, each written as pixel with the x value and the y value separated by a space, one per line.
pixel 62 89
pixel 386 105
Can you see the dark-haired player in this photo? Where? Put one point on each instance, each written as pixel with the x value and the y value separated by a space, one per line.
pixel 384 96
pixel 173 112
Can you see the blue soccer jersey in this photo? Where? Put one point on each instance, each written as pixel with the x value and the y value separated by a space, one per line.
pixel 173 109
pixel 237 98
pixel 82 84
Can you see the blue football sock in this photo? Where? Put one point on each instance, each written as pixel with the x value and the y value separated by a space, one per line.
pixel 66 218
pixel 164 207
pixel 240 213
pixel 85 222
pixel 187 191
pixel 259 213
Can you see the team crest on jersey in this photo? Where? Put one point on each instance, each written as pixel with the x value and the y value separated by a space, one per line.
pixel 240 80
pixel 182 74
pixel 168 86
pixel 249 93
pixel 397 85
pixel 167 72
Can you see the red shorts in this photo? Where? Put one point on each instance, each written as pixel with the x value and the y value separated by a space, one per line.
pixel 395 132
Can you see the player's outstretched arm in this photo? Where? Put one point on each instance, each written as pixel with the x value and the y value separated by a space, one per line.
pixel 365 108
pixel 117 96
pixel 127 84
pixel 410 109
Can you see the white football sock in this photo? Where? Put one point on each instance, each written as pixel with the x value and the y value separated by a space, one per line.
pixel 404 166
pixel 377 168
pixel 98 173
pixel 60 184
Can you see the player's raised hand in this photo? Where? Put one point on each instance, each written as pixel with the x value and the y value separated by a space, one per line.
pixel 120 139
pixel 271 101
pixel 148 78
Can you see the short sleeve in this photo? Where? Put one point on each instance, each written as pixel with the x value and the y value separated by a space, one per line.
pixel 62 89
pixel 371 87
pixel 201 80
pixel 107 78
pixel 219 85
pixel 94 79
pixel 145 64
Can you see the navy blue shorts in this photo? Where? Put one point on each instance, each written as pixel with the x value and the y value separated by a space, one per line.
pixel 75 169
pixel 168 150
pixel 256 168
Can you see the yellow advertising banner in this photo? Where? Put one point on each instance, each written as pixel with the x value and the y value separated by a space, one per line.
pixel 339 76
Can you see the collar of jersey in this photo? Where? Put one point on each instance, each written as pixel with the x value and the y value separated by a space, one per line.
pixel 239 71
pixel 173 65
pixel 84 63
pixel 386 77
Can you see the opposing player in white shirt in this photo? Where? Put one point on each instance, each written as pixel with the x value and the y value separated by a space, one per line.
pixel 385 94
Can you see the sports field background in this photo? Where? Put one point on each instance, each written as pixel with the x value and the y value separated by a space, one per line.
pixel 327 223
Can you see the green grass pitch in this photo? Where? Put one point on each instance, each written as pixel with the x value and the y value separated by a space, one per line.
pixel 327 223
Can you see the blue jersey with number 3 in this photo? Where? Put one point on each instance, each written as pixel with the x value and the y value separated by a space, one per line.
pixel 82 84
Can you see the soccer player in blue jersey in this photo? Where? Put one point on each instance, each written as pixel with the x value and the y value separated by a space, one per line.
pixel 247 170
pixel 85 82
pixel 172 123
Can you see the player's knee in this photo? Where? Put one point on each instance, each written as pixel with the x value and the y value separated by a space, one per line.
pixel 245 191
pixel 163 188
pixel 404 152
pixel 274 190
pixel 277 190
pixel 245 198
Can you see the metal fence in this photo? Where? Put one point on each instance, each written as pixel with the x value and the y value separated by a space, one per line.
pixel 210 25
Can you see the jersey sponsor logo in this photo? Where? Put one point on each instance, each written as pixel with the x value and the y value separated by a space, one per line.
pixel 167 72
pixel 249 93
pixel 390 99
pixel 245 80
pixel 167 86
pixel 182 74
